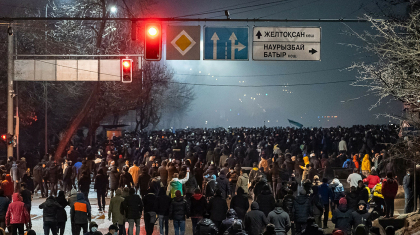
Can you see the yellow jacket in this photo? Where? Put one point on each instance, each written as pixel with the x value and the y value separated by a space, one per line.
pixel 366 163
pixel 377 192
pixel 306 162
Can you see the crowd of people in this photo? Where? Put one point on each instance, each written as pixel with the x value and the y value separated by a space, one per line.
pixel 228 181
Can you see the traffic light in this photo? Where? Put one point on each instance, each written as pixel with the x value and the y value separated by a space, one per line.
pixel 4 137
pixel 153 41
pixel 127 70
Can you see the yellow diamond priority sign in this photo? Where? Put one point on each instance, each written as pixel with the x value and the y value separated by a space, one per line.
pixel 183 43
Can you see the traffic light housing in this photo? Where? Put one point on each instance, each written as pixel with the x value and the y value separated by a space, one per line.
pixel 4 137
pixel 126 70
pixel 153 41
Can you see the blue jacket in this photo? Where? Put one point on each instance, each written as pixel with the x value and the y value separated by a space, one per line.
pixel 326 193
pixel 349 164
pixel 78 165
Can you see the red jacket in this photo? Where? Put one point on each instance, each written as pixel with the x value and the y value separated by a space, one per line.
pixel 7 186
pixel 372 180
pixel 389 188
pixel 17 212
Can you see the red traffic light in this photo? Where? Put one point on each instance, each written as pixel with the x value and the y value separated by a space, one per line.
pixel 127 70
pixel 153 41
pixel 3 137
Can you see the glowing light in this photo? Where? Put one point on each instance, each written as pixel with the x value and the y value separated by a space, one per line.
pixel 199 71
pixel 152 31
pixel 113 9
pixel 126 64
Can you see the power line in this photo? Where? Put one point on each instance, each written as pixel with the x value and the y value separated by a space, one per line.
pixel 10 19
pixel 288 9
pixel 272 85
pixel 260 75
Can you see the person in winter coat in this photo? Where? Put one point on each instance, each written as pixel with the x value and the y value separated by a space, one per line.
pixel 352 199
pixel 237 228
pixel 101 185
pixel 326 196
pixel 143 181
pixel 233 180
pixel 312 228
pixel 255 220
pixel 372 180
pixel 114 211
pixel 163 172
pixel 50 209
pixel 61 213
pixel 190 186
pixel 302 209
pixel 361 217
pixel 8 187
pixel 366 166
pixel 288 201
pixel 53 178
pixel 198 208
pixel 389 191
pixel 150 211
pixel 206 227
pixel 243 181
pixel 73 197
pixel 223 185
pixel 38 178
pixel 164 202
pixel 178 212
pixel 126 179
pixel 84 184
pixel 14 173
pixel 342 217
pixel 240 203
pixel 378 198
pixel 67 177
pixel 349 164
pixel 408 184
pixel 217 208
pixel 280 219
pixel 226 223
pixel 356 162
pixel 114 179
pixel 4 204
pixel 93 228
pixel 317 206
pixel 338 191
pixel 176 184
pixel 17 215
pixel 132 207
pixel 135 173
pixel 266 200
pixel 80 214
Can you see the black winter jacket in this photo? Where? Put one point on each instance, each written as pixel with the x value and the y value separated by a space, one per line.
pixel 198 206
pixel 240 204
pixel 223 185
pixel 206 227
pixel 342 219
pixel 302 209
pixel 101 183
pixel 217 208
pixel 150 203
pixel 132 207
pixel 255 220
pixel 114 178
pixel 178 209
pixel 164 202
pixel 266 202
pixel 49 210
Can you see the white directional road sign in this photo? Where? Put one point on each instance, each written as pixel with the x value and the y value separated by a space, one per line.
pixel 286 43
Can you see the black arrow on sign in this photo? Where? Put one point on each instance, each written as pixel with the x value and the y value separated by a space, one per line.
pixel 259 34
pixel 313 51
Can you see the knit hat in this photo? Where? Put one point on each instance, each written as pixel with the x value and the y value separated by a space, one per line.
pixel 120 157
pixel 178 193
pixel 343 201
pixel 337 232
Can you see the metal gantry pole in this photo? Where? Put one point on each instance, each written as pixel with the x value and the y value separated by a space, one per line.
pixel 10 91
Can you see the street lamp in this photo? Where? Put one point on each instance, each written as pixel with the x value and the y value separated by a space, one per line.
pixel 113 9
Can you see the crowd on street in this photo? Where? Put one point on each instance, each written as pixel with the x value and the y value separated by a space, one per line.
pixel 235 181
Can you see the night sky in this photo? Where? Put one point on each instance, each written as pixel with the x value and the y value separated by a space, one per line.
pixel 233 106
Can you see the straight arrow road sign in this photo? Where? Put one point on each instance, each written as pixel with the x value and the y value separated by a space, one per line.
pixel 217 46
pixel 215 38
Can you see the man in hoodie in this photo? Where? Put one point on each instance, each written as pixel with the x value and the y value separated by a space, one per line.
pixel 114 211
pixel 342 217
pixel 361 217
pixel 255 220
pixel 240 203
pixel 354 178
pixel 150 211
pixel 302 209
pixel 4 204
pixel 389 191
pixel 223 185
pixel 266 200
pixel 280 219
pixel 80 214
pixel 49 211
pixel 176 184
pixel 178 212
pixel 7 186
pixel 206 227
pixel 197 209
pixel 17 216
pixel 226 223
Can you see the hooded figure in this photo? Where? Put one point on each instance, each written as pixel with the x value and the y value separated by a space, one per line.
pixel 255 220
pixel 338 190
pixel 266 200
pixel 342 217
pixel 366 163
pixel 223 185
pixel 280 219
pixel 80 213
pixel 240 203
pixel 226 223
pixel 206 227
pixel 17 213
pixel 217 208
pixel 114 208
pixel 7 186
pixel 361 216
pixel 236 229
pixel 143 181
pixel 176 184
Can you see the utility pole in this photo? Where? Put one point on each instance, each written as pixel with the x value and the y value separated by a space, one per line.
pixel 10 91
